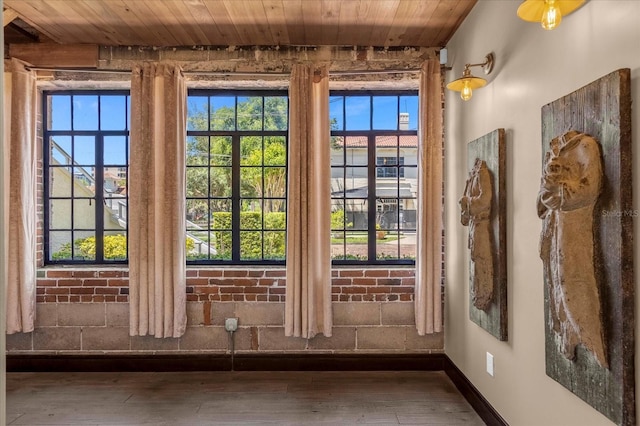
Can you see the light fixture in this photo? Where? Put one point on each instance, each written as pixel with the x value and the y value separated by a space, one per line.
pixel 468 82
pixel 548 12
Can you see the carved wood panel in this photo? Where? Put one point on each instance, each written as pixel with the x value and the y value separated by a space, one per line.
pixel 490 148
pixel 601 110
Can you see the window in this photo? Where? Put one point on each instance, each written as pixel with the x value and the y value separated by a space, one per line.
pixel 374 145
pixel 236 177
pixel 86 145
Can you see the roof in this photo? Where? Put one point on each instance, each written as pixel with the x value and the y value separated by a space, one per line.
pixel 390 141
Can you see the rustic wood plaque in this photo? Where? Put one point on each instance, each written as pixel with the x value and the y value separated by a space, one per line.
pixel 601 110
pixel 490 149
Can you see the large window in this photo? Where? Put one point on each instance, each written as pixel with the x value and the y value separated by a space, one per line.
pixel 86 146
pixel 236 177
pixel 374 145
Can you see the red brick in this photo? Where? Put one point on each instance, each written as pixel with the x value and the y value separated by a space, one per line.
pixel 118 283
pixel 235 273
pixel 238 297
pixel 248 282
pixel 95 283
pixel 351 273
pixel 409 281
pixel 209 273
pixel 250 297
pixel 192 273
pixel 192 298
pixel 354 290
pixel 206 290
pixel 336 290
pixel 122 299
pixel 356 298
pixel 74 299
pixel 267 282
pixel 113 274
pixel 226 297
pixel 82 290
pixel 376 273
pixel 406 297
pixel 278 290
pixel 403 289
pixel 40 299
pixel 276 273
pixel 274 298
pixel 368 297
pixel 365 281
pixel 389 281
pixel 344 297
pixel 62 299
pixel 197 281
pixel 59 274
pixel 46 283
pixel 84 274
pixel 231 290
pixel 101 290
pixel 397 273
pixel 256 290
pixel 57 290
pixel 40 290
pixel 256 274
pixel 98 299
pixel 341 281
pixel 381 289
pixel 86 298
pixel 335 298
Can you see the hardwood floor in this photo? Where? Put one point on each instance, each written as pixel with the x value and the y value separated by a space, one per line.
pixel 240 398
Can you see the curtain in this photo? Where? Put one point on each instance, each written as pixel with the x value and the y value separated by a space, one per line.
pixel 20 116
pixel 308 294
pixel 428 293
pixel 157 265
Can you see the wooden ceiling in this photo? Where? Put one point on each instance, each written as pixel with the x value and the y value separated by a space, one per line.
pixel 392 23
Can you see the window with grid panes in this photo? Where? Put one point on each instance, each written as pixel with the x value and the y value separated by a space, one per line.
pixel 86 163
pixel 374 148
pixel 236 177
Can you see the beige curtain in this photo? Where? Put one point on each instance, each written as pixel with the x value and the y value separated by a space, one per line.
pixel 20 117
pixel 157 275
pixel 428 293
pixel 308 295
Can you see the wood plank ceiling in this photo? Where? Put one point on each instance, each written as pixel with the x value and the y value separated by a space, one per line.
pixel 390 23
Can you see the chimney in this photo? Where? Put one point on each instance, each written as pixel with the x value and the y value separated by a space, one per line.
pixel 404 121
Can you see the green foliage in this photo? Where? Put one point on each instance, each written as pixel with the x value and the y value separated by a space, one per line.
pixel 254 244
pixel 115 248
pixel 338 222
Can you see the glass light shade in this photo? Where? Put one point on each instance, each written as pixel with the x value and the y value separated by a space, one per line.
pixel 466 91
pixel 548 13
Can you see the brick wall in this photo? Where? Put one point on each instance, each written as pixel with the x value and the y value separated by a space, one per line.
pixel 87 311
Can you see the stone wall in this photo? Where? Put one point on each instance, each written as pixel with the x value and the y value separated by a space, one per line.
pixel 87 311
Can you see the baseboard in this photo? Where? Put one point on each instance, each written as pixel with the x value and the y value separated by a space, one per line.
pixel 486 412
pixel 220 362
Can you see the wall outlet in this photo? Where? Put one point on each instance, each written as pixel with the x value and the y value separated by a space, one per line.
pixel 490 364
pixel 231 324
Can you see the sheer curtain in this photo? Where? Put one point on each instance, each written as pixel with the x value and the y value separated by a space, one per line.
pixel 428 293
pixel 157 270
pixel 308 295
pixel 20 116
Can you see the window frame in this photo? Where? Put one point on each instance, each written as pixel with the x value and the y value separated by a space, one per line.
pixel 236 197
pixel 99 166
pixel 372 173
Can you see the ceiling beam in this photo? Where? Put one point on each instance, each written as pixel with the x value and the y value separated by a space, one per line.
pixel 56 55
pixel 8 15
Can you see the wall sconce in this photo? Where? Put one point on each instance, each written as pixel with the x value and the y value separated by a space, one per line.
pixel 468 82
pixel 548 12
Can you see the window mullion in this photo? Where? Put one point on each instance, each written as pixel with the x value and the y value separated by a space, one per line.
pixel 371 196
pixel 235 198
pixel 99 198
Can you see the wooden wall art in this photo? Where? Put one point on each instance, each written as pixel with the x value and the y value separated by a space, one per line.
pixel 483 210
pixel 586 244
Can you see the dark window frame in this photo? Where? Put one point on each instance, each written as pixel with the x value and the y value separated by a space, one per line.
pixel 99 166
pixel 373 216
pixel 236 198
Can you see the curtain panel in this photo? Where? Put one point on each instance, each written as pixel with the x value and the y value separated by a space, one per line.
pixel 20 116
pixel 308 271
pixel 428 290
pixel 157 264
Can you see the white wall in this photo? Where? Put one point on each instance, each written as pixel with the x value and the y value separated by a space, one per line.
pixel 533 67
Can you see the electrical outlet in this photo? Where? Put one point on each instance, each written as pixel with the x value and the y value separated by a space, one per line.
pixel 490 364
pixel 231 324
